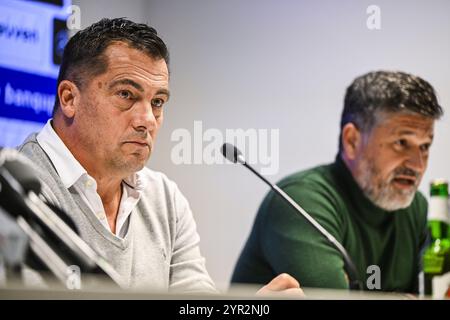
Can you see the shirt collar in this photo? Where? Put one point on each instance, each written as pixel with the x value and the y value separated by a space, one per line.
pixel 68 168
pixel 137 180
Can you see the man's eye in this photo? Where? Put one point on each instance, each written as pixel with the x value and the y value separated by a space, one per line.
pixel 401 144
pixel 157 103
pixel 425 147
pixel 125 94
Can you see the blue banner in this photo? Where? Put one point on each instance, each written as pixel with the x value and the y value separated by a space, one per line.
pixel 26 96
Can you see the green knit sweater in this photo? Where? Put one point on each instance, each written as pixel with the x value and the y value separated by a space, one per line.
pixel 283 241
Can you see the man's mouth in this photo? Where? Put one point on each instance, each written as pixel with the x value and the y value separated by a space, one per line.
pixel 404 182
pixel 141 144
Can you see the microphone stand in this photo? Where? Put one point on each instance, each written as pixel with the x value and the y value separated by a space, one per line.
pixel 234 155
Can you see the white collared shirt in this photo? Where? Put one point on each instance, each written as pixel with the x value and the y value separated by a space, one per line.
pixel 73 174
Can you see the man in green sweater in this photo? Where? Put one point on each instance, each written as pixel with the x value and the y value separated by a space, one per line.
pixel 367 199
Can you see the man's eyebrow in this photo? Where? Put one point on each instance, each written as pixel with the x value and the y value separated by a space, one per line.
pixel 406 133
pixel 126 82
pixel 412 133
pixel 164 92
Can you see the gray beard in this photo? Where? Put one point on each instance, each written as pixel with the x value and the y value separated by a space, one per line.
pixel 382 194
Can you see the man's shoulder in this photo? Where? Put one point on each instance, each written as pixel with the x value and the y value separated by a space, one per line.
pixel 313 188
pixel 33 151
pixel 419 207
pixel 163 194
pixel 316 190
pixel 420 199
pixel 316 175
pixel 29 145
pixel 51 185
pixel 157 181
pixel 155 176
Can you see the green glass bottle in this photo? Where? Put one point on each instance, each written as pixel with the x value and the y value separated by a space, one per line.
pixel 436 259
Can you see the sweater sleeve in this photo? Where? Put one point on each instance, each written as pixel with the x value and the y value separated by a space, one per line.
pixel 187 268
pixel 290 244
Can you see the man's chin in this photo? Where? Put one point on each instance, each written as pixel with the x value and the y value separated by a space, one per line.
pixel 139 165
pixel 136 162
pixel 395 203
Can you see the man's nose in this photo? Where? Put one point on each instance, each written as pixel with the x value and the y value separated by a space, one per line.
pixel 416 161
pixel 143 117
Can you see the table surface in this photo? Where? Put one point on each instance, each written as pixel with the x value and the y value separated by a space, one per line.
pixel 243 292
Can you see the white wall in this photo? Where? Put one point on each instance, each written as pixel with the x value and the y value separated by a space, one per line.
pixel 277 65
pixel 92 11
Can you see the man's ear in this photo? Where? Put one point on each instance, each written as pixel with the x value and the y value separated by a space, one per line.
pixel 69 97
pixel 351 140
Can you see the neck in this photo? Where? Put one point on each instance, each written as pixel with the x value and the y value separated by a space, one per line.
pixel 350 164
pixel 109 189
pixel 108 180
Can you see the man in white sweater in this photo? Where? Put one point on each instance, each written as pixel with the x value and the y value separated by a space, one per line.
pixel 112 87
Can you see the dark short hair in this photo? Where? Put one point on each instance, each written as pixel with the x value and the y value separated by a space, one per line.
pixel 390 92
pixel 83 55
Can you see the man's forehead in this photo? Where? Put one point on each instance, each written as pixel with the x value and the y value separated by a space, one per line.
pixel 120 52
pixel 129 66
pixel 406 123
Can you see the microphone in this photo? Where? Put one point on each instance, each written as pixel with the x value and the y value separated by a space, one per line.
pixel 53 236
pixel 233 154
pixel 18 173
pixel 22 173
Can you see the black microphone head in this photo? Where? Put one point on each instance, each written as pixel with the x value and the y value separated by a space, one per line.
pixel 21 168
pixel 231 153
